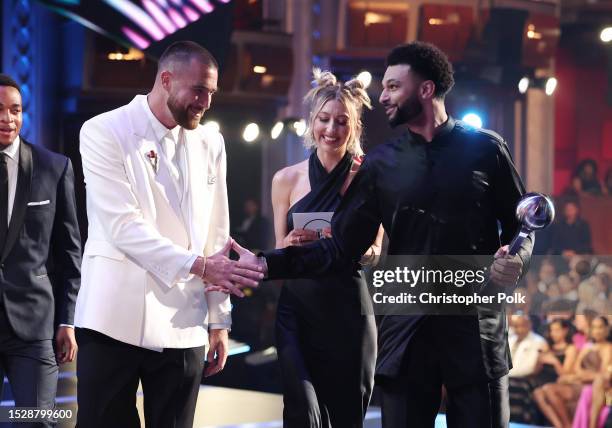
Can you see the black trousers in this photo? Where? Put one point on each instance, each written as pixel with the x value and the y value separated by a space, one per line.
pixel 31 370
pixel 413 399
pixel 326 352
pixel 108 373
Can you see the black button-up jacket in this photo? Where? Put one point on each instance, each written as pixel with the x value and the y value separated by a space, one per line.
pixel 453 195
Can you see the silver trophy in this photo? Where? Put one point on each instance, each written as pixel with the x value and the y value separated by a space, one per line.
pixel 535 211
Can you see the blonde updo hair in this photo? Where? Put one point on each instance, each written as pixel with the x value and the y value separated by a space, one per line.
pixel 351 94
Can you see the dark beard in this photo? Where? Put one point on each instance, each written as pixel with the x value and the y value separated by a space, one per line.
pixel 181 114
pixel 408 111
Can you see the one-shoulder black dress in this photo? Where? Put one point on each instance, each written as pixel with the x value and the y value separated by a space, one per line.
pixel 326 347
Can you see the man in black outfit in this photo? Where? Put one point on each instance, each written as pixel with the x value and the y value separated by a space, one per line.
pixel 40 259
pixel 442 188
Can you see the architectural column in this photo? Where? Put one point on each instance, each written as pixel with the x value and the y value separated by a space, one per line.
pixel 539 142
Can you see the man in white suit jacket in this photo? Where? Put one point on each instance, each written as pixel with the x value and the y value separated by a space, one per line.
pixel 158 235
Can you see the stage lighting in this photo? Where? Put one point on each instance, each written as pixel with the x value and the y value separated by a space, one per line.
pixel 606 35
pixel 523 85
pixel 365 77
pixel 212 125
pixel 300 127
pixel 251 132
pixel 276 130
pixel 551 85
pixel 473 119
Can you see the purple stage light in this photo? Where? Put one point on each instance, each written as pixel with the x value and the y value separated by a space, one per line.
pixel 158 14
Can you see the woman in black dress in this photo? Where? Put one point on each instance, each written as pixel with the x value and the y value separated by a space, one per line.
pixel 326 345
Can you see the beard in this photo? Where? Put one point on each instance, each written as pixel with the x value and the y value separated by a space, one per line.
pixel 407 111
pixel 181 114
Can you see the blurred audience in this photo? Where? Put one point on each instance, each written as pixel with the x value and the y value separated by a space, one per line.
pixel 558 400
pixel 570 235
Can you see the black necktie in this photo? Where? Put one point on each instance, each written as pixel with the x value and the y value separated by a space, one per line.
pixel 4 196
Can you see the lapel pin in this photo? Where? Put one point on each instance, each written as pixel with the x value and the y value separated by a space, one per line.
pixel 153 159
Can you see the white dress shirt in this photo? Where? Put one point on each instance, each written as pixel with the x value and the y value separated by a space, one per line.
pixel 175 166
pixel 12 166
pixel 525 354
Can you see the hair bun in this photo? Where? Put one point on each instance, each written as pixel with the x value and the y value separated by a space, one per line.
pixel 358 90
pixel 354 85
pixel 323 79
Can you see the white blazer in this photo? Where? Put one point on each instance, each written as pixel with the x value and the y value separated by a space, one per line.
pixel 137 245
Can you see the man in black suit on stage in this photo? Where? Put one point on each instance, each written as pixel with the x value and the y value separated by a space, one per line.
pixel 40 258
pixel 442 188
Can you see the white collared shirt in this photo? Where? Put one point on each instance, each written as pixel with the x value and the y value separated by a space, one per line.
pixel 525 354
pixel 12 166
pixel 160 131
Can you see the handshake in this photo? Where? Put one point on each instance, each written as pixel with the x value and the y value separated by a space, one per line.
pixel 220 273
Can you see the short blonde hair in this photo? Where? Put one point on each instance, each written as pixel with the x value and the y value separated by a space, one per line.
pixel 351 94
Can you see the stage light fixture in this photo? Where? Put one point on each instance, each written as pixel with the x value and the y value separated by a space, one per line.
pixel 251 132
pixel 365 77
pixel 276 130
pixel 300 127
pixel 606 35
pixel 551 86
pixel 212 125
pixel 523 85
pixel 473 119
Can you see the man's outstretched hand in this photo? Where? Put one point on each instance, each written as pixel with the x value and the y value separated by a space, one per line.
pixel 248 261
pixel 227 275
pixel 249 258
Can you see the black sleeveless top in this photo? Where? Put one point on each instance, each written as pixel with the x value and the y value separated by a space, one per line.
pixel 324 195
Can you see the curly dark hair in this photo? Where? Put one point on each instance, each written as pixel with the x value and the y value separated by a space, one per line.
pixel 428 61
pixel 6 80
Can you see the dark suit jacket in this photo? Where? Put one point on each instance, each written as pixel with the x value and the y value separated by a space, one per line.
pixel 444 197
pixel 40 261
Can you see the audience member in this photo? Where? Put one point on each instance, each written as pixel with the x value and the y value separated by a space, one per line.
pixel 591 411
pixel 582 322
pixel 571 235
pixel 585 178
pixel 558 359
pixel 525 346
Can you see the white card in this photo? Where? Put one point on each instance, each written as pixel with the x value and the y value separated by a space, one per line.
pixel 312 221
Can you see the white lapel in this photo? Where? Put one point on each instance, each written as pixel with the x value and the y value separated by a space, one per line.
pixel 146 144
